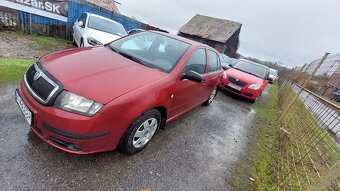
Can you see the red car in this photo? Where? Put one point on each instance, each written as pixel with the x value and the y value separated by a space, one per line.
pixel 246 79
pixel 88 100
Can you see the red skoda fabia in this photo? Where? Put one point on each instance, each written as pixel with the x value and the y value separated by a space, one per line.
pixel 96 99
pixel 246 79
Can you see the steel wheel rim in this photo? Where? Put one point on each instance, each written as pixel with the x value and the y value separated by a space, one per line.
pixel 144 133
pixel 212 95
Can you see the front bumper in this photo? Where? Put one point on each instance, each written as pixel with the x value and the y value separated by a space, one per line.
pixel 245 92
pixel 68 131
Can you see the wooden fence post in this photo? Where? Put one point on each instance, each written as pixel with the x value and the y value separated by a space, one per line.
pixel 30 23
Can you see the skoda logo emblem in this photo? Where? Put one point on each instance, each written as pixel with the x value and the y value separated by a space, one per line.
pixel 36 76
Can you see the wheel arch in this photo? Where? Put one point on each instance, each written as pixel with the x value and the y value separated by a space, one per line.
pixel 163 111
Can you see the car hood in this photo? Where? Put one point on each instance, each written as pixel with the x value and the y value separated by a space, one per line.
pixel 98 73
pixel 101 36
pixel 245 77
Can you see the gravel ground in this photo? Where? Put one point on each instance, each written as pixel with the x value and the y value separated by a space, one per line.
pixel 198 151
pixel 16 47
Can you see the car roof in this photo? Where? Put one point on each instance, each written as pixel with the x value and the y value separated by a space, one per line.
pixel 191 42
pixel 105 18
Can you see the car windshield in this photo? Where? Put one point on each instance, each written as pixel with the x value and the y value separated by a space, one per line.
pixel 106 26
pixel 251 68
pixel 225 60
pixel 151 49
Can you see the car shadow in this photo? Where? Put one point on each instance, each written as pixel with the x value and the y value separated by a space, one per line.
pixel 234 96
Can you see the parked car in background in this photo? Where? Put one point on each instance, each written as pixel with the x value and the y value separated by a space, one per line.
pixel 99 98
pixel 93 30
pixel 246 79
pixel 273 74
pixel 227 62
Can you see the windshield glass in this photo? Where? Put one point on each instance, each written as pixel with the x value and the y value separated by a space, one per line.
pixel 106 26
pixel 151 49
pixel 227 60
pixel 254 69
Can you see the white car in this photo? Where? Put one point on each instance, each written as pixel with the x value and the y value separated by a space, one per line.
pixel 92 30
pixel 273 74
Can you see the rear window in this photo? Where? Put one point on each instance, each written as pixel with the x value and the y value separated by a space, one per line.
pixel 213 61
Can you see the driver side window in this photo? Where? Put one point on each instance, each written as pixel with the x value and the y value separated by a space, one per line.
pixel 197 62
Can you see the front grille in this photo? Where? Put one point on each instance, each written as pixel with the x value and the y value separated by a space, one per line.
pixel 41 88
pixel 234 90
pixel 248 94
pixel 237 82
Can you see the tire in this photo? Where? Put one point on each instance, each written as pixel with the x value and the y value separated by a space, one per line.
pixel 133 141
pixel 211 97
pixel 253 101
pixel 74 42
pixel 81 43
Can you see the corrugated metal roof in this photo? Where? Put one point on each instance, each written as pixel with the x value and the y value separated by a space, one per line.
pixel 211 28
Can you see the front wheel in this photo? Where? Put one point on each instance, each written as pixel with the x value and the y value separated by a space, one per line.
pixel 211 97
pixel 140 132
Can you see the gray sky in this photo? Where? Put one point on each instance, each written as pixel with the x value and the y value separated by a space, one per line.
pixel 290 31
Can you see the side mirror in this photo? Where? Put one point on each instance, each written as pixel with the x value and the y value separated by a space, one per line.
pixel 81 24
pixel 193 76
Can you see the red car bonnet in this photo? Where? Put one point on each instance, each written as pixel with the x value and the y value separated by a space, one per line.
pixel 113 76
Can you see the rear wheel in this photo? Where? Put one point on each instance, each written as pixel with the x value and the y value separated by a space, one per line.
pixel 74 42
pixel 211 97
pixel 81 43
pixel 140 132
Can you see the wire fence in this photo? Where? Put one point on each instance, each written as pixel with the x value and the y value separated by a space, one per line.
pixel 309 128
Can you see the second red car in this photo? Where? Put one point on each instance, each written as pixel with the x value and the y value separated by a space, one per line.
pixel 246 79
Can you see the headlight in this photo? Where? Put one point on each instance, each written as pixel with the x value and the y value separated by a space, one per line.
pixel 254 87
pixel 225 75
pixel 77 104
pixel 93 41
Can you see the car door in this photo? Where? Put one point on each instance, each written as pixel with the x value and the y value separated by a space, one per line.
pixel 187 94
pixel 78 30
pixel 213 73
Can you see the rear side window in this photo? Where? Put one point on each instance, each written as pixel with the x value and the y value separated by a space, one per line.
pixel 213 61
pixel 197 62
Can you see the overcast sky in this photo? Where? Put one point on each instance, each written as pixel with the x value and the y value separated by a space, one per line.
pixel 290 31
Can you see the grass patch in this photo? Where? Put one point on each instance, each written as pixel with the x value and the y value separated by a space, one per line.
pixel 306 139
pixel 256 173
pixel 46 44
pixel 13 69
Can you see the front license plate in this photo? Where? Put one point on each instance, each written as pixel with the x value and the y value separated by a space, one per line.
pixel 234 86
pixel 23 107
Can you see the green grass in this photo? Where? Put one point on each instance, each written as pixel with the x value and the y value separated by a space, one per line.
pixel 46 44
pixel 12 69
pixel 262 153
pixel 305 130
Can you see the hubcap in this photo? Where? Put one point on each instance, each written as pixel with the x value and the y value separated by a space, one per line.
pixel 144 133
pixel 212 95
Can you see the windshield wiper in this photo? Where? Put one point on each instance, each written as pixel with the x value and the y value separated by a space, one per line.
pixel 128 56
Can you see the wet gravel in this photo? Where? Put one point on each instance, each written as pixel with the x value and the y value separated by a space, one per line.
pixel 197 151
